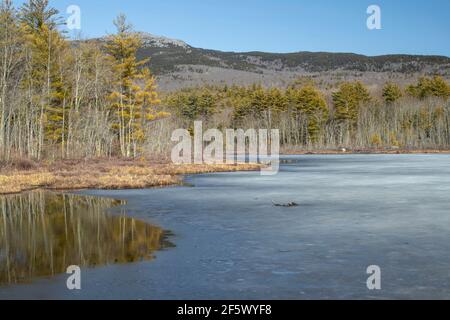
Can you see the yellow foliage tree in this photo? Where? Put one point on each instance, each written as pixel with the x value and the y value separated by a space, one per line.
pixel 135 94
pixel 46 59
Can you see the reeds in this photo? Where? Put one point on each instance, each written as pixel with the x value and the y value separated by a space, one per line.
pixel 107 174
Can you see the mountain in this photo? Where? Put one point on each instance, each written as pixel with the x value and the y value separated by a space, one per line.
pixel 177 64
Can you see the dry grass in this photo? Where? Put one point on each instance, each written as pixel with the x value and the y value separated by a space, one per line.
pixel 103 174
pixel 17 182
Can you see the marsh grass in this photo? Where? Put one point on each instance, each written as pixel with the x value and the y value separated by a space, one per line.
pixel 103 174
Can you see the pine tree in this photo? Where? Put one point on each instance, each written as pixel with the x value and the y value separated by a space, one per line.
pixel 440 88
pixel 430 87
pixel 308 102
pixel 421 89
pixel 130 100
pixel 391 92
pixel 193 104
pixel 347 101
pixel 46 49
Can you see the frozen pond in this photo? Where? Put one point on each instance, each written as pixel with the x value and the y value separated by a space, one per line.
pixel 230 242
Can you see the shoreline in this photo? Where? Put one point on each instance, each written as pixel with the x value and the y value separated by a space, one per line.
pixel 104 175
pixel 294 151
pixel 116 174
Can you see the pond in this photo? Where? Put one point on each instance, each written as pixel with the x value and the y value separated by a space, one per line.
pixel 43 233
pixel 354 211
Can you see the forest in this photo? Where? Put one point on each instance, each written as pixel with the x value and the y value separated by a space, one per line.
pixel 66 99
pixel 309 117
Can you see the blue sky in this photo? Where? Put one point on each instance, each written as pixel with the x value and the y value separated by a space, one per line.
pixel 408 26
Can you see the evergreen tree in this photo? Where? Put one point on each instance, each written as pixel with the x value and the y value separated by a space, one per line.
pixel 130 100
pixel 430 87
pixel 348 100
pixel 440 88
pixel 391 92
pixel 46 50
pixel 308 102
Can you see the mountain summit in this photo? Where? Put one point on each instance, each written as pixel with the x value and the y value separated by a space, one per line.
pixel 154 41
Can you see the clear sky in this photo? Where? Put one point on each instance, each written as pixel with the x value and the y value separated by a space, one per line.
pixel 408 26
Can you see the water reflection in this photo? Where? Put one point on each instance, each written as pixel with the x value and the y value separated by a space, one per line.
pixel 42 233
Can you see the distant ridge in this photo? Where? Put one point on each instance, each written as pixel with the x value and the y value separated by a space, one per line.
pixel 178 64
pixel 167 53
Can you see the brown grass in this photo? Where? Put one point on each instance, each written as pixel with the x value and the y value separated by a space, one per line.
pixel 103 174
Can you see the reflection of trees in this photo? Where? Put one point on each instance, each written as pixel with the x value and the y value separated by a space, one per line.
pixel 42 233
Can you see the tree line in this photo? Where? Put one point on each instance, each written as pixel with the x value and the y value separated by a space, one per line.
pixel 61 98
pixel 351 116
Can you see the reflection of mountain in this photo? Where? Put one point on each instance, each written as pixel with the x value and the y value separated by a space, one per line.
pixel 43 233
